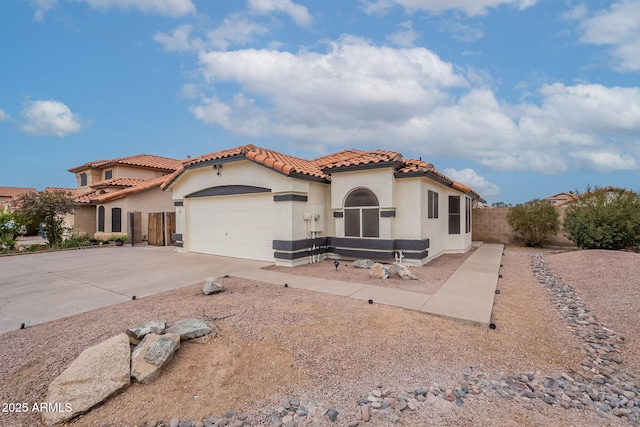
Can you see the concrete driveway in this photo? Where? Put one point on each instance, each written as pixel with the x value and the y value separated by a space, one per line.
pixel 36 288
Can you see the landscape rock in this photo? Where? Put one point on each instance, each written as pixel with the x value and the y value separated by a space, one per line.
pixel 153 352
pixel 212 286
pixel 96 374
pixel 379 271
pixel 404 272
pixel 363 263
pixel 141 329
pixel 189 328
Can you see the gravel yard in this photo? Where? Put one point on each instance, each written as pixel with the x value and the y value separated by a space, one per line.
pixel 278 343
pixel 430 277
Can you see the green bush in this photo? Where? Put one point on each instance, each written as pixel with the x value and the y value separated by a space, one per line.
pixel 604 219
pixel 534 221
pixel 50 206
pixel 10 225
pixel 76 242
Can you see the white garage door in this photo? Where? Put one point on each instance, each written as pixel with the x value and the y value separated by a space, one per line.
pixel 239 226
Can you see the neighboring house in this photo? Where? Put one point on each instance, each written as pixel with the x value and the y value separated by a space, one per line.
pixel 250 202
pixel 610 191
pixel 9 197
pixel 560 198
pixel 119 196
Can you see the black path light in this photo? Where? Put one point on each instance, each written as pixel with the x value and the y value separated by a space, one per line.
pixel 286 285
pixel 492 326
pixel 133 297
pixel 336 263
pixel 497 291
pixel 370 301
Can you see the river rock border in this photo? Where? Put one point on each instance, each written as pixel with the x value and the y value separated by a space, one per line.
pixel 599 385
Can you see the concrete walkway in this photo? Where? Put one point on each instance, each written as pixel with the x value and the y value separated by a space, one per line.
pixel 467 295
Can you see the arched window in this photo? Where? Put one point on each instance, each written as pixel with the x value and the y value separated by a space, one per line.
pixel 361 214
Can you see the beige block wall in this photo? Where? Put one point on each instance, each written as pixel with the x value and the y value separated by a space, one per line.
pixel 490 226
pixel 84 220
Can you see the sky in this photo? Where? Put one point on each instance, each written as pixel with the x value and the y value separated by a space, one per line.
pixel 519 99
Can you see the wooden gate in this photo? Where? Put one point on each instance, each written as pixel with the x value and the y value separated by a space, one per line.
pixel 161 227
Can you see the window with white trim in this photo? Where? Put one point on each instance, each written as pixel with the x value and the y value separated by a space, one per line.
pixel 432 204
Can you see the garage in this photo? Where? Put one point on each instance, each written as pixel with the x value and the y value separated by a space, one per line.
pixel 240 226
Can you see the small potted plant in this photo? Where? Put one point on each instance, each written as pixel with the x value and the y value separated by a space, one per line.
pixel 119 240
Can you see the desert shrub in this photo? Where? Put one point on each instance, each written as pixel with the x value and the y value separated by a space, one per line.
pixel 534 221
pixel 604 219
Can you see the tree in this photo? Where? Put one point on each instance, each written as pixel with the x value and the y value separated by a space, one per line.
pixel 501 205
pixel 50 208
pixel 604 219
pixel 10 225
pixel 534 221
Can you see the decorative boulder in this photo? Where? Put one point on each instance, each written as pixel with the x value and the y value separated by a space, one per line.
pixel 363 263
pixel 404 272
pixel 153 352
pixel 189 329
pixel 96 374
pixel 212 286
pixel 137 332
pixel 379 271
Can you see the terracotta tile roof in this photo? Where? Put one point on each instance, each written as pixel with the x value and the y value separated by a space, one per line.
pixel 348 158
pixel 11 196
pixel 15 191
pixel 117 182
pixel 147 184
pixel 322 167
pixel 141 160
pixel 86 197
pixel 281 162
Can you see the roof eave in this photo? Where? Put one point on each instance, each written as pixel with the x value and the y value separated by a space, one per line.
pixel 362 166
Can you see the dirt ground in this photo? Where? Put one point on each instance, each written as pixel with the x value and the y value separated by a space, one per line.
pixel 276 343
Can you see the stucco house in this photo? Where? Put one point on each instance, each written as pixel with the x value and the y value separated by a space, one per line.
pixel 123 196
pixel 9 197
pixel 251 202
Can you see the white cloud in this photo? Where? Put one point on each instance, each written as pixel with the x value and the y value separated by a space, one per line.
pixel 179 39
pixel 471 178
pixel 50 118
pixel 42 7
pixel 617 27
pixel 469 7
pixel 405 36
pixel 376 7
pixel 4 116
pixel 172 8
pixel 298 13
pixel 235 30
pixel 461 31
pixel 605 161
pixel 359 94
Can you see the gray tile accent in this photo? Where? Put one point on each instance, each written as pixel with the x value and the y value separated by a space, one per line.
pixel 290 198
pixel 226 190
pixel 387 214
pixel 178 203
pixel 338 214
